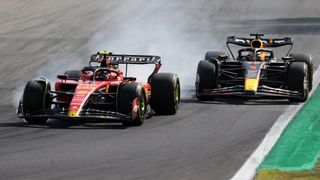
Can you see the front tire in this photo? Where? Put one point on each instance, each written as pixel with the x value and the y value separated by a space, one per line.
pixel 297 80
pixel 306 58
pixel 129 96
pixel 35 100
pixel 165 93
pixel 206 78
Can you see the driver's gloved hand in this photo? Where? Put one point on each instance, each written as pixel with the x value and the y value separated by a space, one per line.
pixel 107 77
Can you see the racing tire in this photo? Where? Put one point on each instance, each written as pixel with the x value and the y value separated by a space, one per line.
pixel 35 100
pixel 206 79
pixel 73 74
pixel 126 96
pixel 165 93
pixel 214 54
pixel 306 58
pixel 297 80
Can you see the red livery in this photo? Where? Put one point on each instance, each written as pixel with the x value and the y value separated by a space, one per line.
pixel 101 92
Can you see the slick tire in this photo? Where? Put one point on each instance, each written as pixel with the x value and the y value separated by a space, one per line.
pixel 165 93
pixel 73 74
pixel 306 58
pixel 297 80
pixel 126 96
pixel 34 101
pixel 206 78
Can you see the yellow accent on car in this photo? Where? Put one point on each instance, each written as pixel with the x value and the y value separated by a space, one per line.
pixel 72 113
pixel 263 56
pixel 104 52
pixel 82 92
pixel 251 85
pixel 107 88
pixel 270 41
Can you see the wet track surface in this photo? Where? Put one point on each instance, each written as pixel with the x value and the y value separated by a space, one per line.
pixel 205 140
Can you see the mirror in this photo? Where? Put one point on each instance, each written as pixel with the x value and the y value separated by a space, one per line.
pixel 62 77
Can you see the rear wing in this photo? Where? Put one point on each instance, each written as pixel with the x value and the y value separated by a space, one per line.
pixel 125 59
pixel 268 43
pixel 264 43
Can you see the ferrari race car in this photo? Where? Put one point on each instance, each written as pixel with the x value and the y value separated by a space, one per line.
pixel 100 92
pixel 255 71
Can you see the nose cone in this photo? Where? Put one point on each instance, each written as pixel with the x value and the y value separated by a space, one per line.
pixel 73 113
pixel 251 85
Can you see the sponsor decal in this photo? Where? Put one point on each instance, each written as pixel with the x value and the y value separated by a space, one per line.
pixel 107 88
pixel 135 108
pixel 251 85
pixel 263 56
pixel 252 74
pixel 83 87
pixel 253 67
pixel 82 92
pixel 87 85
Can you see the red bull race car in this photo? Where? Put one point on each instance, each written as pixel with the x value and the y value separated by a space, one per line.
pixel 255 71
pixel 101 92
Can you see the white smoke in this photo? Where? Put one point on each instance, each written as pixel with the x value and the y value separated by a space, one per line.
pixel 58 66
pixel 180 38
pixel 50 71
pixel 170 37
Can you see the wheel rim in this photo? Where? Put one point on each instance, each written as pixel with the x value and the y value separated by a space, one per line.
pixel 305 87
pixel 142 108
pixel 306 84
pixel 197 80
pixel 198 85
pixel 177 95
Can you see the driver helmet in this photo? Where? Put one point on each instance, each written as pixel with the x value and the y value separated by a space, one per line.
pixel 86 73
pixel 262 55
pixel 106 61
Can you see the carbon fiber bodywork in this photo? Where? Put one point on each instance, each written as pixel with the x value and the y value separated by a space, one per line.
pixel 271 76
pixel 255 72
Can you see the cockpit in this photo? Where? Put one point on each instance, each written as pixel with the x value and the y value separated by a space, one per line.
pixel 255 54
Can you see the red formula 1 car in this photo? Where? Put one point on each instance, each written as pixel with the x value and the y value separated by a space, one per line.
pixel 102 93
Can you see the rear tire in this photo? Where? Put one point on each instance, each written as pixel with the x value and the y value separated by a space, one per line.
pixel 165 93
pixel 297 80
pixel 306 58
pixel 206 78
pixel 126 96
pixel 35 101
pixel 73 74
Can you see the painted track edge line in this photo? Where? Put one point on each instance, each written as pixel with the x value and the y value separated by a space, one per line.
pixel 248 169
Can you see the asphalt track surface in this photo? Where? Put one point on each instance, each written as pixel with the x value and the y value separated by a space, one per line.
pixel 205 140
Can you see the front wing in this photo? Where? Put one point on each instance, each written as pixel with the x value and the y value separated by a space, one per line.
pixel 262 91
pixel 86 115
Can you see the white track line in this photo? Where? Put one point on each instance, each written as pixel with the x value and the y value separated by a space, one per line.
pixel 248 170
